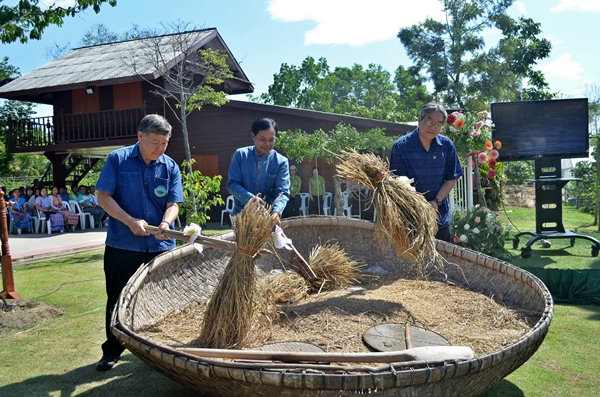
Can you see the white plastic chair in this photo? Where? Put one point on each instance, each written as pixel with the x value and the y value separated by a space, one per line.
pixel 82 215
pixel 304 198
pixel 347 206
pixel 228 208
pixel 45 224
pixel 68 207
pixel 327 203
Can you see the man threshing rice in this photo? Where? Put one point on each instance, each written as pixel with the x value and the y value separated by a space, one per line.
pixel 431 161
pixel 138 184
pixel 259 169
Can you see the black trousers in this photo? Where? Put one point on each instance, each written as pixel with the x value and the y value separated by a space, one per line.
pixel 293 207
pixel 119 266
pixel 444 234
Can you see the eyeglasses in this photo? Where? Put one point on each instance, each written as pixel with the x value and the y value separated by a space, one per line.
pixel 432 124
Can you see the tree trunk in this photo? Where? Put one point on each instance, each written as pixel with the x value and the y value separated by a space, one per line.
pixel 480 192
pixel 188 156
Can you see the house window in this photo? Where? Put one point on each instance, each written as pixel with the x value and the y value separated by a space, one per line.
pixel 128 95
pixel 207 164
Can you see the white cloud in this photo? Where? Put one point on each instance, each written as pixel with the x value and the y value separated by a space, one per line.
pixel 577 5
pixel 353 22
pixel 563 67
pixel 521 7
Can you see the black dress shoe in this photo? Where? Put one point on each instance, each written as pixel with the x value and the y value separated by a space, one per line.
pixel 107 362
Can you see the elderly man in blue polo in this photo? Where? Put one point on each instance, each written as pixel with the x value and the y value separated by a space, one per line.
pixel 431 161
pixel 139 185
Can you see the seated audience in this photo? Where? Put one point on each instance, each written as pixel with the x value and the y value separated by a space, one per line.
pixel 87 205
pixel 45 209
pixel 18 211
pixel 69 217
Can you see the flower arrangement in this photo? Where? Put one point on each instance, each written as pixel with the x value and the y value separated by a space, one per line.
pixel 471 135
pixel 480 230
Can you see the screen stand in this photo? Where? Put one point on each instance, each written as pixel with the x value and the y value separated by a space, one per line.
pixel 548 208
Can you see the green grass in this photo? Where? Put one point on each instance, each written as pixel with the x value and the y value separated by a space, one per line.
pixel 58 358
pixel 561 255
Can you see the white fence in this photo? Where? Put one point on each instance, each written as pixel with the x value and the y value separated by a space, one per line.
pixel 462 193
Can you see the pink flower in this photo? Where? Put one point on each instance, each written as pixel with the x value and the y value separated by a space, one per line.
pixel 494 154
pixel 477 219
pixel 500 229
pixel 475 133
pixel 482 157
pixel 479 125
pixel 456 239
pixel 497 213
pixel 492 163
pixel 491 174
pixel 482 114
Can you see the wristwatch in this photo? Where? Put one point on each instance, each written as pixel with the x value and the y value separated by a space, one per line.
pixel 439 202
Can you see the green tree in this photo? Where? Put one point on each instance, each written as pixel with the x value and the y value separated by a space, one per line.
pixel 300 146
pixel 452 54
pixel 369 92
pixel 10 110
pixel 584 191
pixel 29 18
pixel 518 172
pixel 201 193
pixel 190 83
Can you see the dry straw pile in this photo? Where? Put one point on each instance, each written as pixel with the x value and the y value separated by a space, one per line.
pixel 228 315
pixel 405 220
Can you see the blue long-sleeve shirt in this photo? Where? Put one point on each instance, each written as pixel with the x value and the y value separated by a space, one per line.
pixel 249 174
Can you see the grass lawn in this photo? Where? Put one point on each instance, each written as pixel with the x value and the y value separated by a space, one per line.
pixel 58 357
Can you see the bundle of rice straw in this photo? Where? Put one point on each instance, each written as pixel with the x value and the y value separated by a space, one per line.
pixel 333 267
pixel 228 315
pixel 287 287
pixel 405 220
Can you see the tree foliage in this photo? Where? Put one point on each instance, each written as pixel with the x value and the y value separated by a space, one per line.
pixel 201 193
pixel 29 18
pixel 584 191
pixel 453 55
pixel 357 91
pixel 14 110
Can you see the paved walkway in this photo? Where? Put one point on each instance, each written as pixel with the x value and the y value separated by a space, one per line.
pixel 26 248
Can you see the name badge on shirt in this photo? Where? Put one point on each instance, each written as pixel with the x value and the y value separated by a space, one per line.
pixel 160 191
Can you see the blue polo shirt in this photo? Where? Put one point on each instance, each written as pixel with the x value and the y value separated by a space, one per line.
pixel 429 169
pixel 250 174
pixel 142 191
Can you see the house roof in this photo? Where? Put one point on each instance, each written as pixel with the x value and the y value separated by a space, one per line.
pixel 114 63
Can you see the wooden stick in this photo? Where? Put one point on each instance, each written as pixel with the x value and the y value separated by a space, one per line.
pixel 305 269
pixel 204 240
pixel 426 353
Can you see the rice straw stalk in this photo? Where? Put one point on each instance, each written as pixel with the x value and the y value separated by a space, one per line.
pixel 228 315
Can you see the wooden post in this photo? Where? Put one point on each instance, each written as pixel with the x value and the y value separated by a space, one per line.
pixel 7 270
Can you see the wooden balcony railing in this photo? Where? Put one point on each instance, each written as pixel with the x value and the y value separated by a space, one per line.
pixel 68 129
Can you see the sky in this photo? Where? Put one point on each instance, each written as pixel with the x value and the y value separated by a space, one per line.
pixel 263 34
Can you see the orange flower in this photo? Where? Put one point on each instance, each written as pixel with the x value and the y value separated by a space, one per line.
pixel 488 145
pixel 459 123
pixel 498 145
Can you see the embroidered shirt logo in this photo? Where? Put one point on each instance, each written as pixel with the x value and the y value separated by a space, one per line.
pixel 160 191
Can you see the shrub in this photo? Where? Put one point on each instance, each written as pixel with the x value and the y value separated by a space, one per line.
pixel 479 229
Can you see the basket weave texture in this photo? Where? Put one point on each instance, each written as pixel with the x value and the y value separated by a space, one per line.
pixel 178 278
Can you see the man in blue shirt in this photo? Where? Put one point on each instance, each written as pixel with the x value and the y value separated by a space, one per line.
pixel 260 169
pixel 431 160
pixel 139 185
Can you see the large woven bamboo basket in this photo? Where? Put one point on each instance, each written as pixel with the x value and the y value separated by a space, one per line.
pixel 180 277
